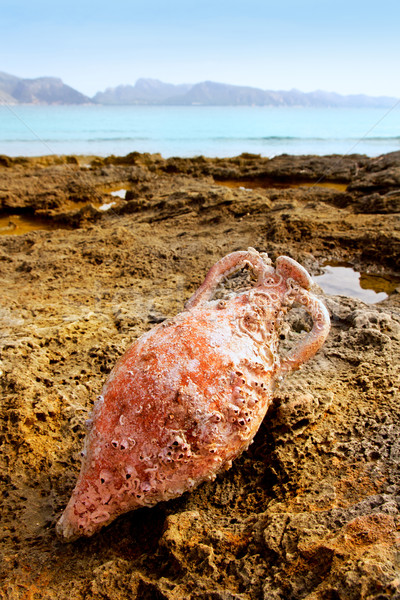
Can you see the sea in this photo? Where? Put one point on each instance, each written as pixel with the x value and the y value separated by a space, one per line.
pixel 212 131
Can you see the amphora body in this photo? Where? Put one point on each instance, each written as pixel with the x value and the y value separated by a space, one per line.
pixel 188 396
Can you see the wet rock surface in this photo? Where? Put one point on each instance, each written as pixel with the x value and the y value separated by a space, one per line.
pixel 311 510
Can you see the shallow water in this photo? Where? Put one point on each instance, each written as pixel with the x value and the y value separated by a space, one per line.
pixel 267 182
pixel 30 130
pixel 119 193
pixel 20 224
pixel 343 280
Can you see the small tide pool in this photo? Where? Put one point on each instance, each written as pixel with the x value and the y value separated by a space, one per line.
pixel 343 280
pixel 266 182
pixel 15 224
pixel 20 224
pixel 119 193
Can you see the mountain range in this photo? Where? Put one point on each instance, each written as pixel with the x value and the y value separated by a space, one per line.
pixel 42 90
pixel 52 90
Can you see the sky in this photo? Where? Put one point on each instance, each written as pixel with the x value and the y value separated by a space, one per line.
pixel 345 46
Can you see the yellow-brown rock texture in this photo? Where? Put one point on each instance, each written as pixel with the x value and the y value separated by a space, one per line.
pixel 311 510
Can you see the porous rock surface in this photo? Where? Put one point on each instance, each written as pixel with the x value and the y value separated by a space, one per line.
pixel 311 510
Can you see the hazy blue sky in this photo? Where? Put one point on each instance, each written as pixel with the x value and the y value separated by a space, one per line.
pixel 348 46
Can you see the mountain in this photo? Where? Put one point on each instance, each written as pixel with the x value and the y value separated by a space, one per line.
pixel 51 90
pixel 145 91
pixel 7 84
pixel 220 94
pixel 209 93
pixel 42 90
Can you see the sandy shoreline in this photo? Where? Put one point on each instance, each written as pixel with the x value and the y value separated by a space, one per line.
pixel 312 510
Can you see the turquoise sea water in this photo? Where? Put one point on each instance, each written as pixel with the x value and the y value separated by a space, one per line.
pixel 193 130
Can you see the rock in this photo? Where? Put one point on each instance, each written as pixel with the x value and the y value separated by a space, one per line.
pixel 311 510
pixel 378 204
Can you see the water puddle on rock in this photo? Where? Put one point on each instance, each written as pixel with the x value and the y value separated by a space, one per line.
pixel 20 224
pixel 119 193
pixel 343 280
pixel 106 206
pixel 264 183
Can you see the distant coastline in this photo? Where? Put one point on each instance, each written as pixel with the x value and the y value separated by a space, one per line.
pixel 152 92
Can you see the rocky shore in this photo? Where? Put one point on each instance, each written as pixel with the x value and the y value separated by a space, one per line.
pixel 312 509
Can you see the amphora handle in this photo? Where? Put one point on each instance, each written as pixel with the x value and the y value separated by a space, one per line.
pixel 259 263
pixel 296 277
pixel 296 284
